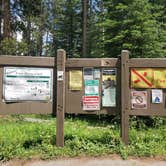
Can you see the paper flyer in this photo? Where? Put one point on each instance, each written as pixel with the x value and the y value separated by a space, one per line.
pixel 109 87
pixel 88 73
pixel 91 87
pixel 96 74
pixel 91 103
pixel 157 96
pixel 75 79
pixel 27 84
pixel 60 75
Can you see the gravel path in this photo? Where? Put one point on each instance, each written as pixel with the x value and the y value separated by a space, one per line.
pixel 89 162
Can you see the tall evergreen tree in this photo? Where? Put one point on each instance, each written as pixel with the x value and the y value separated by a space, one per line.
pixel 1 20
pixel 130 25
pixel 6 19
pixel 84 28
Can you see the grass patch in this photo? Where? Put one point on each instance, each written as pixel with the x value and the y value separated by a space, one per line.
pixel 83 136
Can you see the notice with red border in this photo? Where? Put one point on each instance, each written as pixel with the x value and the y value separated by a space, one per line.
pixel 91 102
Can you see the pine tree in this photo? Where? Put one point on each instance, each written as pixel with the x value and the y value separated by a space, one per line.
pixel 130 25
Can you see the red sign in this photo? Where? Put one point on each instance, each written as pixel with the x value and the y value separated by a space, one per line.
pixel 91 102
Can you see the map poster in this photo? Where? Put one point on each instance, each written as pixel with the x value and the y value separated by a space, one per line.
pixel 27 84
pixel 109 87
pixel 139 99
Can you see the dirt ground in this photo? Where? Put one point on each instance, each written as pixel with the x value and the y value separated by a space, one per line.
pixel 89 161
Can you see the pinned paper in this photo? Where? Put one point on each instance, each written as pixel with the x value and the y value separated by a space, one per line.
pixel 139 99
pixel 109 87
pixel 157 96
pixel 91 103
pixel 75 79
pixel 27 84
pixel 96 74
pixel 88 73
pixel 60 75
pixel 91 87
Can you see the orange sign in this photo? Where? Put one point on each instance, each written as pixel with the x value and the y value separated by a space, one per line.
pixel 148 78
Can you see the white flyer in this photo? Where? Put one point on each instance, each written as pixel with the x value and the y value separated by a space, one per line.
pixel 88 73
pixel 96 74
pixel 157 96
pixel 60 75
pixel 27 84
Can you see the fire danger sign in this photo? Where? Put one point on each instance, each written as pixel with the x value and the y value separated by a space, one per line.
pixel 142 78
pixel 148 78
pixel 139 99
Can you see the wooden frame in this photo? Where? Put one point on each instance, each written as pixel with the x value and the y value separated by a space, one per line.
pixel 67 101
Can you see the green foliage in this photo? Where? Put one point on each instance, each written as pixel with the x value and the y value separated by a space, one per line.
pixel 12 47
pixel 112 25
pixel 131 25
pixel 83 136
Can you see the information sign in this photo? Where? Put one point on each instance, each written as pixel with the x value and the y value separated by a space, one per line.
pixel 27 84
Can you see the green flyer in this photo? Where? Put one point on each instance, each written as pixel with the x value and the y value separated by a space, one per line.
pixel 91 87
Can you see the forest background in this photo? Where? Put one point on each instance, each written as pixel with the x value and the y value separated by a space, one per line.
pixel 84 28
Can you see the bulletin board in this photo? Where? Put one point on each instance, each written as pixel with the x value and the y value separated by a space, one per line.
pixel 93 89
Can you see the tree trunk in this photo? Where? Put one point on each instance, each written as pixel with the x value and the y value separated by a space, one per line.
pixel 84 27
pixel 28 35
pixel 7 19
pixel 71 46
pixel 55 15
pixel 90 30
pixel 1 20
pixel 41 30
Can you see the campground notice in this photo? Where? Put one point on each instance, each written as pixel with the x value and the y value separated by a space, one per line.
pixel 27 84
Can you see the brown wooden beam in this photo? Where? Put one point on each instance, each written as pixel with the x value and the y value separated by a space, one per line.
pixel 92 62
pixel 60 98
pixel 147 62
pixel 26 61
pixel 125 97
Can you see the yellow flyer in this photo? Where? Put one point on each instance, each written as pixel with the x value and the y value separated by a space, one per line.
pixel 141 78
pixel 75 79
pixel 160 78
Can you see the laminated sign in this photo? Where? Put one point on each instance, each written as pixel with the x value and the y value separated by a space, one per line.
pixel 139 99
pixel 91 103
pixel 109 87
pixel 141 78
pixel 27 84
pixel 148 78
pixel 157 96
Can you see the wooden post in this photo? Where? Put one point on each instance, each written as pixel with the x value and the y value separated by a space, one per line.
pixel 60 98
pixel 125 96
